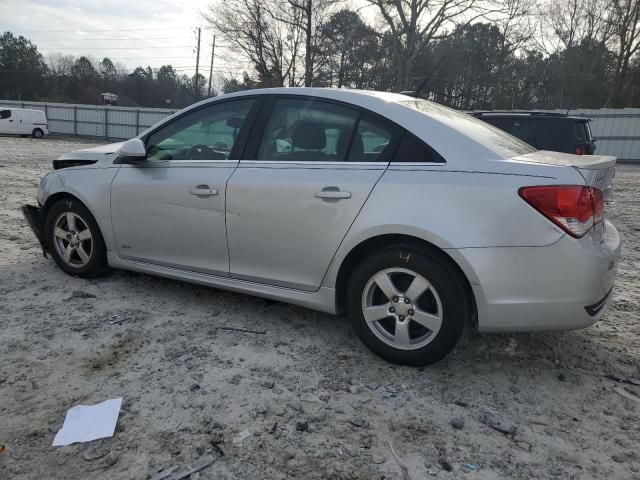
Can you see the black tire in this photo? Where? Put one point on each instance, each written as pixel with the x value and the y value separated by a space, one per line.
pixel 97 263
pixel 37 133
pixel 455 309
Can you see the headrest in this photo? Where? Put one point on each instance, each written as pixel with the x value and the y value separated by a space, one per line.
pixel 308 136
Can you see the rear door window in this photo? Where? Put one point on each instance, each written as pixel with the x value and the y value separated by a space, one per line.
pixel 307 130
pixel 373 141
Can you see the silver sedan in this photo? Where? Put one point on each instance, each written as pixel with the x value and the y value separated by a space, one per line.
pixel 414 220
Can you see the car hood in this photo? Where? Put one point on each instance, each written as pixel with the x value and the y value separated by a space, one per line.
pixel 103 155
pixel 93 153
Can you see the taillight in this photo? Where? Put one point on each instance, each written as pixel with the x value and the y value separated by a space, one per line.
pixel 574 208
pixel 580 151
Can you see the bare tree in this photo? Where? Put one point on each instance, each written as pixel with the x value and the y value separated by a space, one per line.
pixel 415 23
pixel 574 22
pixel 347 52
pixel 625 26
pixel 250 28
pixel 308 17
pixel 514 21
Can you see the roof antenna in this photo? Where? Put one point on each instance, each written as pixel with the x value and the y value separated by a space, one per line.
pixel 417 92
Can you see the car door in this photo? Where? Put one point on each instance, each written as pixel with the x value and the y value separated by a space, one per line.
pixel 8 125
pixel 299 188
pixel 170 209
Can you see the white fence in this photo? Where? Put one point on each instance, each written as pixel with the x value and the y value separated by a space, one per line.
pixel 94 120
pixel 617 131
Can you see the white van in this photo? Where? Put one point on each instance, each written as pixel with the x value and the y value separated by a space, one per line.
pixel 19 121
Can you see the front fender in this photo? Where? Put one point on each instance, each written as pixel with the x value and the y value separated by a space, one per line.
pixel 91 186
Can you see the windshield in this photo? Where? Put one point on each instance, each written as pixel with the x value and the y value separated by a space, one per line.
pixel 499 141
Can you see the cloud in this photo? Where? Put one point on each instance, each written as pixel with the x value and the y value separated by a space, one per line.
pixel 132 33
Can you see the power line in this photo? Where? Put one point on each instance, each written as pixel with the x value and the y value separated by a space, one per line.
pixel 195 79
pixel 117 48
pixel 213 49
pixel 100 39
pixel 91 31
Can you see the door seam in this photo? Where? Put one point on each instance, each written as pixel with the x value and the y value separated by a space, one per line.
pixel 350 226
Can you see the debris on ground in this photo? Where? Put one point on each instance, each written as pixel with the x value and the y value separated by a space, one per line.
pixel 445 464
pixel 242 330
pixel 239 440
pixel 490 420
pixel 117 319
pixel 302 426
pixel 626 393
pixel 81 294
pixel 109 460
pixel 183 471
pixel 360 423
pixel 95 452
pixel 84 423
pixel 457 423
pixel 403 467
pixel 616 378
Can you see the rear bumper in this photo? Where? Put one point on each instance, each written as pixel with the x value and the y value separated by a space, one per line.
pixel 564 286
pixel 34 217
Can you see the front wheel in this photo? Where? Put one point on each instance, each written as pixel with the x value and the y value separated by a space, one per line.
pixel 74 240
pixel 407 305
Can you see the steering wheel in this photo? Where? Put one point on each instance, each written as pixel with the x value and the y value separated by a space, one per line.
pixel 202 152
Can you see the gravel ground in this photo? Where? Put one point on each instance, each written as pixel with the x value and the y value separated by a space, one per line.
pixel 315 402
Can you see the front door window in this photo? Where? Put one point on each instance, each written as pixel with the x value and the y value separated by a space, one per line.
pixel 209 133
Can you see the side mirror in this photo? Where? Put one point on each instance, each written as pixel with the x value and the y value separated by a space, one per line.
pixel 132 151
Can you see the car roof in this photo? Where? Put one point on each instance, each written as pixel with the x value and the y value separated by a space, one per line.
pixel 22 109
pixel 452 133
pixel 527 113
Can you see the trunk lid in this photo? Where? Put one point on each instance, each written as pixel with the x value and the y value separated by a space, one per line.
pixel 597 170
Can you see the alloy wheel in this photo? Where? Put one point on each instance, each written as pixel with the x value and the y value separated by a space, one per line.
pixel 72 239
pixel 402 308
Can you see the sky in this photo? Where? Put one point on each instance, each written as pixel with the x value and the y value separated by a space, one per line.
pixel 131 33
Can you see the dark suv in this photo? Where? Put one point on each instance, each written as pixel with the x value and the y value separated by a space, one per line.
pixel 545 130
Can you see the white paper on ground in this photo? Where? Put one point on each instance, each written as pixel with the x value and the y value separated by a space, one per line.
pixel 84 423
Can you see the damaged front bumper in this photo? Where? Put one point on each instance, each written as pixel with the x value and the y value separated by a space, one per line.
pixel 34 217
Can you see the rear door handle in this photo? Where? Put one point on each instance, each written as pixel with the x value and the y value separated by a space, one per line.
pixel 204 192
pixel 332 193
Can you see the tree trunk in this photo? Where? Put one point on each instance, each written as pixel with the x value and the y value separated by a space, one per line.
pixel 308 63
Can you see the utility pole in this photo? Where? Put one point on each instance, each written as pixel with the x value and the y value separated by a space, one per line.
pixel 196 86
pixel 213 49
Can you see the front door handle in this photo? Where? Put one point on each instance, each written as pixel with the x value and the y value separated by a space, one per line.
pixel 204 191
pixel 332 194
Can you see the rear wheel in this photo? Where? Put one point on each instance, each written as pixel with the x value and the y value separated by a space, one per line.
pixel 407 305
pixel 74 240
pixel 37 133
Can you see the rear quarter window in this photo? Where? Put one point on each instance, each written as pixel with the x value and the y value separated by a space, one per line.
pixel 412 149
pixel 493 138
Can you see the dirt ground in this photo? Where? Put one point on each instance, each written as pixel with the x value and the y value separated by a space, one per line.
pixel 314 401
